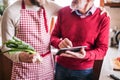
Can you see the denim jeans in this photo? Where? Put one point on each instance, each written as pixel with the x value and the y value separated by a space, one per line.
pixel 62 73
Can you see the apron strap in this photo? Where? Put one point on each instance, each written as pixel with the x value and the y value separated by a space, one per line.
pixel 23 4
pixel 45 54
pixel 45 19
pixel 44 14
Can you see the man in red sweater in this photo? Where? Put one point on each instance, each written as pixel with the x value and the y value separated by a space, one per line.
pixel 80 25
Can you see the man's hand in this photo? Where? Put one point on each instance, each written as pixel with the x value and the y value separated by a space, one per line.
pixel 104 11
pixel 65 43
pixel 29 58
pixel 79 55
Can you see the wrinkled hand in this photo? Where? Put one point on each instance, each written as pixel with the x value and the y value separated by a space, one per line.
pixel 29 58
pixel 104 11
pixel 79 55
pixel 65 43
pixel 37 58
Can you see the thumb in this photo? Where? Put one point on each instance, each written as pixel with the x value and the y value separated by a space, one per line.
pixel 82 50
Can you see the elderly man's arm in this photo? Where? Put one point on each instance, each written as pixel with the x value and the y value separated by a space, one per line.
pixel 101 44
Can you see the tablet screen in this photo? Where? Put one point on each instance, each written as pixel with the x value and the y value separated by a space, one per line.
pixel 74 49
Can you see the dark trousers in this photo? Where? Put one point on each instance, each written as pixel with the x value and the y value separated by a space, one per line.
pixel 62 73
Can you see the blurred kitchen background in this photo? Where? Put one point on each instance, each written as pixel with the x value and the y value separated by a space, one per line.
pixel 113 9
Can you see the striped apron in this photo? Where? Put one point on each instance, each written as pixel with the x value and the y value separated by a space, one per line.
pixel 34 31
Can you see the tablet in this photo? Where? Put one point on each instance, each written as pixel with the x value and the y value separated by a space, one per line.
pixel 74 49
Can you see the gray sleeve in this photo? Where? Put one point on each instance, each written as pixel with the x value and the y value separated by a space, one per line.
pixel 8 31
pixel 52 8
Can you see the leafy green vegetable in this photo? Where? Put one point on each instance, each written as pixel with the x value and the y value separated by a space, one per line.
pixel 16 45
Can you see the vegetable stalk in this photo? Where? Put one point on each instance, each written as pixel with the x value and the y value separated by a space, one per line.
pixel 16 45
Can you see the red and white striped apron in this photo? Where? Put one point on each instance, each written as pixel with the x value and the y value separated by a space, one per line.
pixel 33 30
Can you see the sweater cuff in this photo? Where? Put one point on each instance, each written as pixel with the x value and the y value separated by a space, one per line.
pixel 57 43
pixel 90 55
pixel 87 55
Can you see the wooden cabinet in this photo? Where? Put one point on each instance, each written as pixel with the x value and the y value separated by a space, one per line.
pixel 111 4
pixel 102 3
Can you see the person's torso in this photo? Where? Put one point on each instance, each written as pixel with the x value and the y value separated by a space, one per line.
pixel 14 11
pixel 82 32
pixel 33 30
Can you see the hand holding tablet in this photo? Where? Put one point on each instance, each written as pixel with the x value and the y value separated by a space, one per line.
pixel 74 49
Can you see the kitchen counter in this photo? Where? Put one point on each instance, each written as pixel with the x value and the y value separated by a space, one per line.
pixel 107 67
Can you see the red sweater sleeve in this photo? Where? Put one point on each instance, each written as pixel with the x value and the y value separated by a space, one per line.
pixel 101 43
pixel 56 33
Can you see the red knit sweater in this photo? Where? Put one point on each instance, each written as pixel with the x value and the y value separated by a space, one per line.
pixel 92 31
